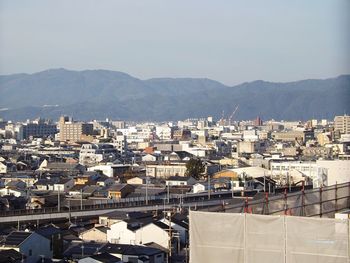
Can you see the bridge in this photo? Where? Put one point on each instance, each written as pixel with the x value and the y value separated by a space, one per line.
pixel 321 202
pixel 128 205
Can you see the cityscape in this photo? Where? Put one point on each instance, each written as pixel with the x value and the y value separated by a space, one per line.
pixel 174 131
pixel 122 191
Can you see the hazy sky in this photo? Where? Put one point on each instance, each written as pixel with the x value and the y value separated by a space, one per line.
pixel 231 41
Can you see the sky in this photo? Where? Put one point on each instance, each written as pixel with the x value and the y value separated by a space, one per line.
pixel 232 41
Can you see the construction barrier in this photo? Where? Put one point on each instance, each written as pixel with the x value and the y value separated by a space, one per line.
pixel 250 238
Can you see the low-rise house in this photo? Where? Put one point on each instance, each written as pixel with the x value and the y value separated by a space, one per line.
pixel 11 202
pixel 41 200
pixel 64 185
pixel 86 178
pixel 118 191
pixel 54 234
pixel 180 225
pixel 13 191
pixel 250 171
pixel 151 158
pixel 35 203
pixel 117 216
pixel 33 245
pixel 136 233
pixel 90 190
pixel 11 256
pixel 28 180
pixel 96 234
pixel 265 184
pixel 76 190
pixel 101 258
pixel 111 169
pixel 79 250
pixel 3 168
pixel 226 174
pixel 180 181
pixel 104 181
pixel 69 168
pixel 45 184
pixel 139 180
pixel 16 185
pixel 221 183
pixel 22 166
pixel 132 253
pixel 6 167
pixel 172 157
pixel 200 187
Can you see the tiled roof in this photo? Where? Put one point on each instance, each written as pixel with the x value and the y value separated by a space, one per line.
pixel 16 238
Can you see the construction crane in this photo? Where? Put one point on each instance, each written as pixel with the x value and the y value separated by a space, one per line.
pixel 231 116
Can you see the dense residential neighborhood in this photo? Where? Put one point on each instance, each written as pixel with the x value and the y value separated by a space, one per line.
pixel 138 181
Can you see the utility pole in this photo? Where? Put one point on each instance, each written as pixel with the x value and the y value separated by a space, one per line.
pixel 209 187
pixel 168 189
pixel 289 182
pixel 69 214
pixel 82 250
pixel 232 188
pixel 170 234
pixel 58 199
pixel 81 199
pixel 164 205
pixel 146 190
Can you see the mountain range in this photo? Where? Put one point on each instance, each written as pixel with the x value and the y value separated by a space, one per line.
pixel 100 94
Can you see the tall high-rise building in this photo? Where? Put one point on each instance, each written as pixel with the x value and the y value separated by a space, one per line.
pixel 342 124
pixel 73 131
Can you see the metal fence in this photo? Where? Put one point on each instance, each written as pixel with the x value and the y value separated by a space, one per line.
pixel 321 202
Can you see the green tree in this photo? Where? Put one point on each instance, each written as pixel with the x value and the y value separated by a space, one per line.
pixel 195 168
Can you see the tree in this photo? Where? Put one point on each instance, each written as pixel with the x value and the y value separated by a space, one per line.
pixel 195 168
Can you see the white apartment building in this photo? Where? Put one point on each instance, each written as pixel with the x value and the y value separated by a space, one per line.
pixel 164 132
pixel 166 170
pixel 322 172
pixel 250 135
pixel 95 153
pixel 338 171
pixel 137 134
pixel 120 143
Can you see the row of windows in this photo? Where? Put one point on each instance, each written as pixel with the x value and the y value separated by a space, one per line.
pixel 287 168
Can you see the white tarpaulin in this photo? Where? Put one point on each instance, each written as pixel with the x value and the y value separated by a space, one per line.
pixel 249 238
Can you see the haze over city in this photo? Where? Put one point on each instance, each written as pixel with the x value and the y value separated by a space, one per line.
pixel 229 41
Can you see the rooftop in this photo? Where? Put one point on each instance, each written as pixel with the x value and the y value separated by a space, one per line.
pixel 16 238
pixel 130 250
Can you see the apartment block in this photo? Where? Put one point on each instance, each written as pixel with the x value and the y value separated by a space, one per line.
pixel 73 131
pixel 342 124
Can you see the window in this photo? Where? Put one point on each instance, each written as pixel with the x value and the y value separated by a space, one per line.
pixel 30 253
